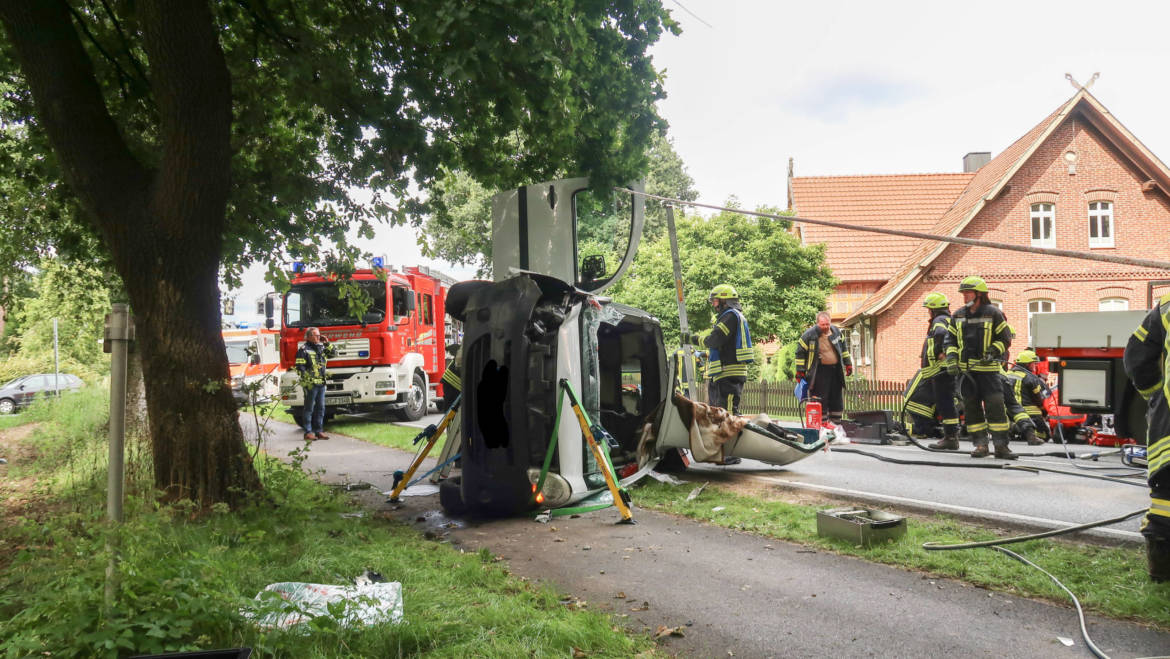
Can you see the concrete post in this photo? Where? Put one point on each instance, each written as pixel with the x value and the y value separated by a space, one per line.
pixel 119 331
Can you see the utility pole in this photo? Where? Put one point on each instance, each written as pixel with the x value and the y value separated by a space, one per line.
pixel 688 362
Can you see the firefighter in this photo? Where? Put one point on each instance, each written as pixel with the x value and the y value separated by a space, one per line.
pixel 452 383
pixel 934 354
pixel 729 348
pixel 822 356
pixel 1147 362
pixel 919 402
pixel 310 362
pixel 1019 419
pixel 981 339
pixel 1030 390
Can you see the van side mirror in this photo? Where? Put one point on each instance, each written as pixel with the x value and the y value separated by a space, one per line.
pixel 410 302
pixel 254 359
pixel 269 323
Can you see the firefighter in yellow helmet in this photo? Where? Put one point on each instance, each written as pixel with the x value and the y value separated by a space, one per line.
pixel 729 347
pixel 1147 362
pixel 980 341
pixel 1030 390
pixel 934 373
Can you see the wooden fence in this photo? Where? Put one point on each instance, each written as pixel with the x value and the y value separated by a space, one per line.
pixel 777 400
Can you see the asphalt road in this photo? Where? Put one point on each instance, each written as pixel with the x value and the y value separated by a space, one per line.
pixel 735 592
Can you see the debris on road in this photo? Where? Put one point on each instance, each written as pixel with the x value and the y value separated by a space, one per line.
pixel 697 491
pixel 287 604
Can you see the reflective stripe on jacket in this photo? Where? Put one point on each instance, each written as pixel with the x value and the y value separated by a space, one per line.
pixel 935 344
pixel 729 346
pixel 808 357
pixel 976 333
pixel 1029 389
pixel 1148 366
pixel 311 361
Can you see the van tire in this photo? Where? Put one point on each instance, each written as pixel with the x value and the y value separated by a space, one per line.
pixel 296 413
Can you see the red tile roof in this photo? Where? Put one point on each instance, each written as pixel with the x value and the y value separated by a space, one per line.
pixel 912 202
pixel 992 177
pixel 987 182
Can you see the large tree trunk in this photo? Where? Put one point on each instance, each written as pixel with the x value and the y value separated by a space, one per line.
pixel 163 223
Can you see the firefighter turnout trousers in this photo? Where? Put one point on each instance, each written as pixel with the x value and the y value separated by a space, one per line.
pixel 725 392
pixel 983 405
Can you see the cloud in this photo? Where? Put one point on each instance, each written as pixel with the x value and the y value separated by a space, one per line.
pixel 835 98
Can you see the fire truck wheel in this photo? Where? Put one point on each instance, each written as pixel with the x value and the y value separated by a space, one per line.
pixel 451 496
pixel 416 400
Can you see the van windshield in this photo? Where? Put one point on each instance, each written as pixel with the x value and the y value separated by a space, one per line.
pixel 321 305
pixel 237 351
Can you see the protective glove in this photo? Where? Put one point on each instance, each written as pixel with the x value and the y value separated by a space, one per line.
pixel 952 366
pixel 800 375
pixel 848 370
pixel 691 338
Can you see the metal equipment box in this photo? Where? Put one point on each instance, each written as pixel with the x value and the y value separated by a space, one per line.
pixel 861 526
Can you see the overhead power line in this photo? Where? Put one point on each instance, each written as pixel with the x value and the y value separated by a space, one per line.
pixel 972 242
pixel 697 17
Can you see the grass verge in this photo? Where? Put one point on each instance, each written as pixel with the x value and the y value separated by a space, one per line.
pixel 184 578
pixel 1108 580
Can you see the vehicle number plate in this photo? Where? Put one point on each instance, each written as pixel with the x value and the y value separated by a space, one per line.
pixel 338 400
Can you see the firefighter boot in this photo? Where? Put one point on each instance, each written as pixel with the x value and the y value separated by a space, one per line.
pixel 950 440
pixel 1033 440
pixel 1002 452
pixel 980 447
pixel 1158 557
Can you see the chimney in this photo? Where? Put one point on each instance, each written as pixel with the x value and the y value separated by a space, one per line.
pixel 974 160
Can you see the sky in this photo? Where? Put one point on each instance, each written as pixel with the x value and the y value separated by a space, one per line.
pixel 861 87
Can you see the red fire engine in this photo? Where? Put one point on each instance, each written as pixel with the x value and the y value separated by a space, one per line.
pixel 391 358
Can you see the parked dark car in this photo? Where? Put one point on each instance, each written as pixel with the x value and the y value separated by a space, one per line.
pixel 20 392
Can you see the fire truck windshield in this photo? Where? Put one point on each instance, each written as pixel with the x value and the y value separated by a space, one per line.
pixel 320 305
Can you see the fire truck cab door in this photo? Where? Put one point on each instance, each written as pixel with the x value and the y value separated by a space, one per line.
pixel 557 228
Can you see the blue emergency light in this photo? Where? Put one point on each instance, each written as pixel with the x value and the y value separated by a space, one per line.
pixel 377 262
pixel 363 353
pixel 298 266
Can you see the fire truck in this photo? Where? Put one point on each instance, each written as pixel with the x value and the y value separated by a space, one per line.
pixel 1085 350
pixel 254 363
pixel 390 359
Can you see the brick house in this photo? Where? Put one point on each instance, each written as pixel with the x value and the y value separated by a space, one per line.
pixel 1078 180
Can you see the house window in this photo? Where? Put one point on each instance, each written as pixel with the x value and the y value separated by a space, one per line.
pixel 1042 225
pixel 1113 304
pixel 1101 224
pixel 998 304
pixel 1035 307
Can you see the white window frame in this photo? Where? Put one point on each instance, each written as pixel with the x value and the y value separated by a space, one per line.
pixel 1101 220
pixel 1113 304
pixel 1038 213
pixel 1038 303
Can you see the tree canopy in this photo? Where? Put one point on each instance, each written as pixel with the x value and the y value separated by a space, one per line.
pixel 199 137
pixel 781 284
